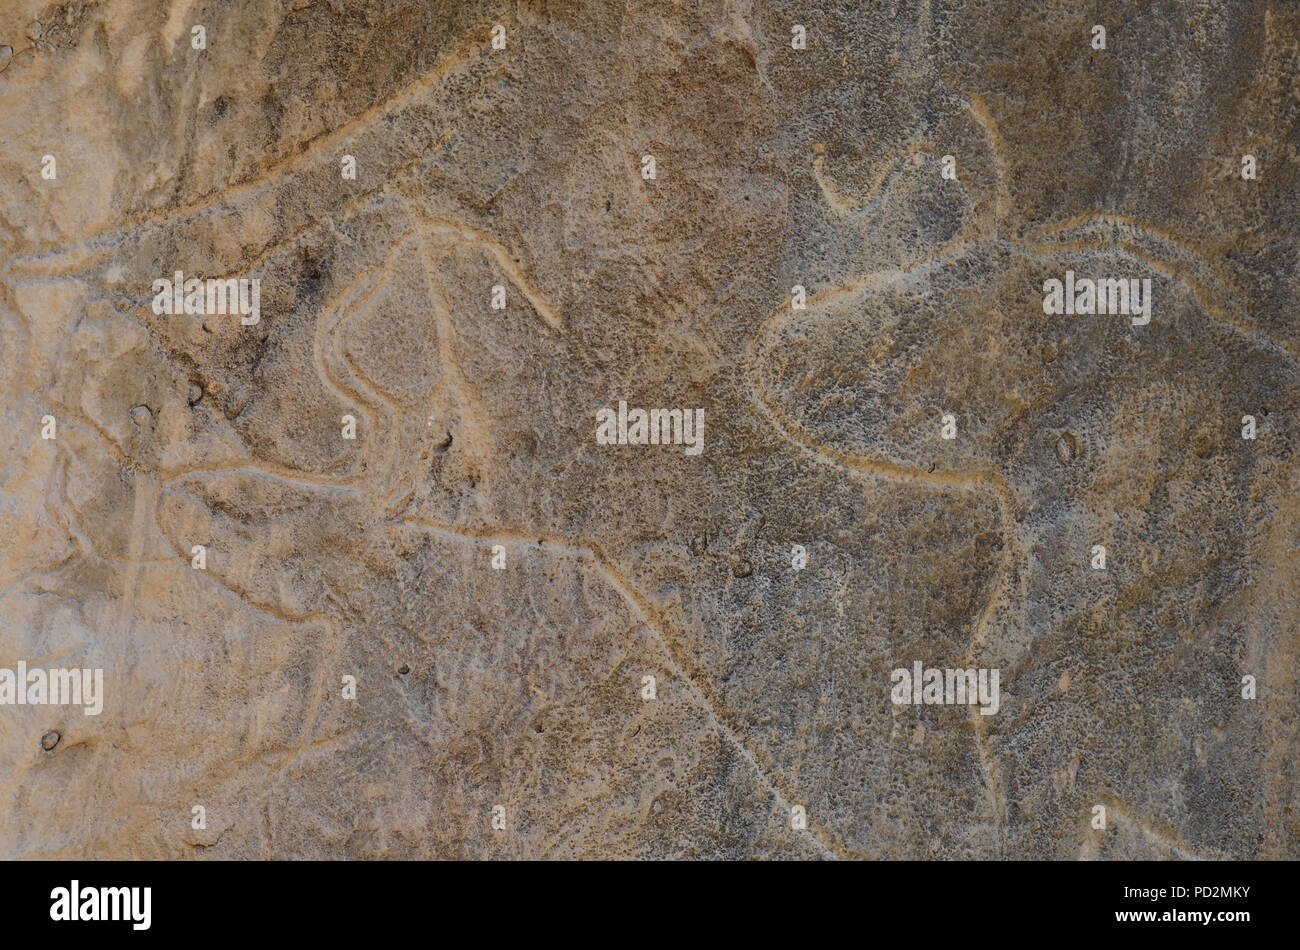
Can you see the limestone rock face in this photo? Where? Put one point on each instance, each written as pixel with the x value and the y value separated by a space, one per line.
pixel 496 581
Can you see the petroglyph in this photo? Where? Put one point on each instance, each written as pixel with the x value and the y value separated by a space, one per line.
pixel 425 590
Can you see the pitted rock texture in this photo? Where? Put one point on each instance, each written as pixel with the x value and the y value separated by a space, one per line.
pixel 522 168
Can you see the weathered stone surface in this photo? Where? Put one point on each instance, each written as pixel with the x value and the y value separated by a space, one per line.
pixel 522 167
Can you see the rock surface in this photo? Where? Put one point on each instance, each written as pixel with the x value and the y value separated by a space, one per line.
pixel 522 168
